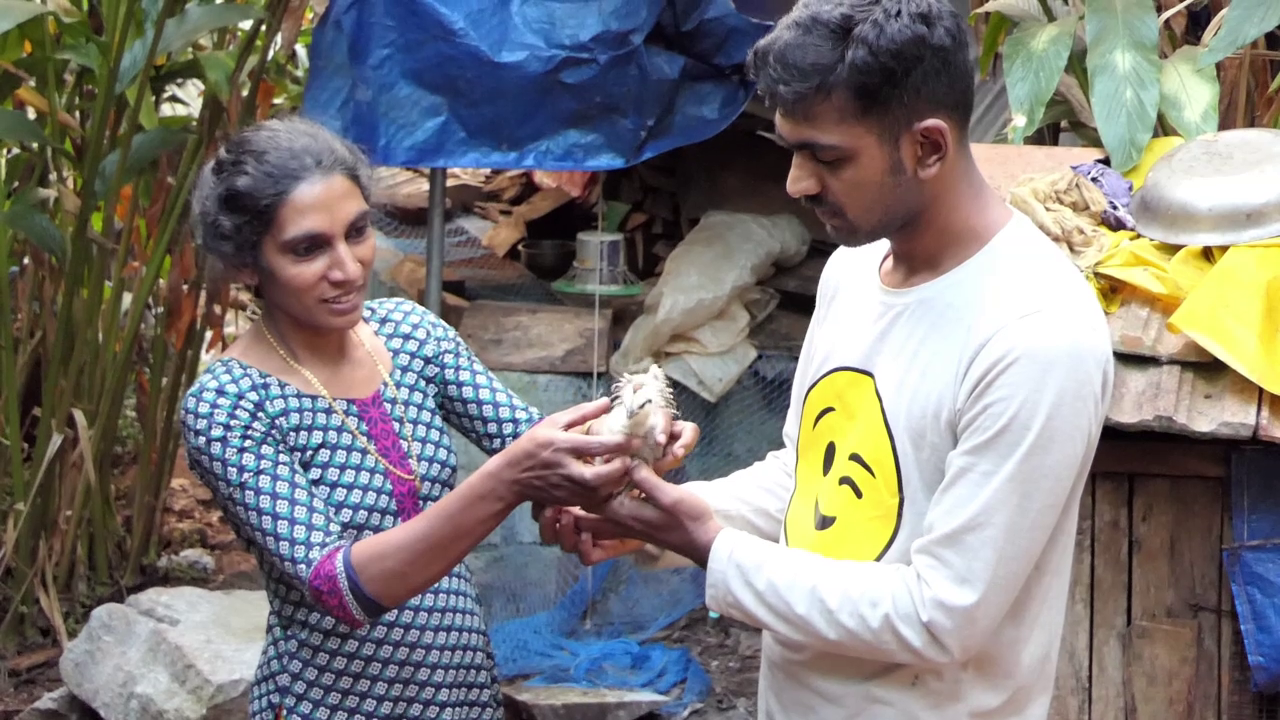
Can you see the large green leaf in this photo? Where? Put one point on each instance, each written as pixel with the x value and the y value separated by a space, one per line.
pixel 15 12
pixel 1188 93
pixel 997 28
pixel 1245 21
pixel 135 56
pixel 1035 55
pixel 1025 10
pixel 16 127
pixel 217 66
pixel 1123 63
pixel 36 225
pixel 147 147
pixel 196 21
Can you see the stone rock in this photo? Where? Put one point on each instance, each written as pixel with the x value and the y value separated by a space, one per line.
pixel 180 653
pixel 194 562
pixel 59 705
pixel 550 702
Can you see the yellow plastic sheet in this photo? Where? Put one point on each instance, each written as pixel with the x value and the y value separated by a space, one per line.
pixel 1234 312
pixel 1228 299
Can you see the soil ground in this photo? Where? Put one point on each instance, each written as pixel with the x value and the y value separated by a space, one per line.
pixel 729 650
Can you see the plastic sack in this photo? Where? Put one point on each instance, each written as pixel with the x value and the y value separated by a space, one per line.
pixel 697 317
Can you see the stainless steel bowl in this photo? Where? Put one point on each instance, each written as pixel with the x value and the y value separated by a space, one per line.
pixel 1220 189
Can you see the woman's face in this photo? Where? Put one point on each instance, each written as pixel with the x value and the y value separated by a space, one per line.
pixel 316 260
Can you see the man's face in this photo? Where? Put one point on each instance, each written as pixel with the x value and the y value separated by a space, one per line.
pixel 854 179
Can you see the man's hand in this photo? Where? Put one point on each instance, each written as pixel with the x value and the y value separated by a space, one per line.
pixel 663 514
pixel 679 441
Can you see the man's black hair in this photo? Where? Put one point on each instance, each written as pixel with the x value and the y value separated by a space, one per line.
pixel 890 62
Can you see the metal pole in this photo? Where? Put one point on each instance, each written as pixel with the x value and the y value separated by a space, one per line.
pixel 434 290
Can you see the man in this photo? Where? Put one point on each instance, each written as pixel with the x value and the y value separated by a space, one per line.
pixel 908 551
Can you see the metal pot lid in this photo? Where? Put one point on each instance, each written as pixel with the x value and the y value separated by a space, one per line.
pixel 1220 189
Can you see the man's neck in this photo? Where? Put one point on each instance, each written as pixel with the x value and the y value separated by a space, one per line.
pixel 951 230
pixel 310 348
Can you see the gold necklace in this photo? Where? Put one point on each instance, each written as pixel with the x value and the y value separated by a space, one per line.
pixel 347 420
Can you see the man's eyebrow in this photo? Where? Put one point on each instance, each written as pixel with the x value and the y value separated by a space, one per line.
pixel 811 147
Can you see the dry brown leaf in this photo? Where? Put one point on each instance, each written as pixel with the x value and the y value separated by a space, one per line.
pixel 1069 89
pixel 30 96
pixel 635 220
pixel 573 182
pixel 541 203
pixel 410 275
pixel 504 235
pixel 291 25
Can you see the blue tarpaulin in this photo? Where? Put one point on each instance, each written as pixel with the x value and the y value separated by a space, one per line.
pixel 528 84
pixel 1253 560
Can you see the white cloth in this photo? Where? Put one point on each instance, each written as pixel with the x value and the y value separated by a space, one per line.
pixel 941 435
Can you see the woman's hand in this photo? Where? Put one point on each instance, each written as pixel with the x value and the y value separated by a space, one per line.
pixel 551 464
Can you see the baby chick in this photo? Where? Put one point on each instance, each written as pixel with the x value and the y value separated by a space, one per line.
pixel 643 404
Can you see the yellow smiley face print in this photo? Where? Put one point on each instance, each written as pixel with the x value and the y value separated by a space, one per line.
pixel 847 502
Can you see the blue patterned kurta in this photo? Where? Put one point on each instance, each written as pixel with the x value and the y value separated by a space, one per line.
pixel 299 488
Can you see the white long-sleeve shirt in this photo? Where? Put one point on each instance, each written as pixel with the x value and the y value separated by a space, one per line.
pixel 908 550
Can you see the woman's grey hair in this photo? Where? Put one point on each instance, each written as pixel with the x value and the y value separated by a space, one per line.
pixel 239 191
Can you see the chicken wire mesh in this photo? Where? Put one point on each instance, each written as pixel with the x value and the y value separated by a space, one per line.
pixel 552 620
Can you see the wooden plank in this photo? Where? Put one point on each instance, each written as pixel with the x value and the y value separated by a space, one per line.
pixel 1071 689
pixel 1269 418
pixel 1227 629
pixel 1167 456
pixel 1176 569
pixel 1160 670
pixel 801 279
pixel 537 338
pixel 1140 326
pixel 781 332
pixel 1200 400
pixel 1110 595
pixel 1004 165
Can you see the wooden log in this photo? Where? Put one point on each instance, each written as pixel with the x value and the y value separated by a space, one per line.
pixel 537 338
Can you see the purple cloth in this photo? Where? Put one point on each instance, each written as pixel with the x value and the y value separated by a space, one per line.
pixel 1117 190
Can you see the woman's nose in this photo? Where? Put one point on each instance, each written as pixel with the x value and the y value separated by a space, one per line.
pixel 345 266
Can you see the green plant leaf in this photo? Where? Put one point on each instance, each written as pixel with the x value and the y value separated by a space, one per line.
pixel 135 56
pixel 147 147
pixel 16 127
pixel 1188 93
pixel 997 29
pixel 196 21
pixel 1245 21
pixel 35 224
pixel 1026 10
pixel 218 66
pixel 15 12
pixel 1035 54
pixel 1123 63
pixel 82 47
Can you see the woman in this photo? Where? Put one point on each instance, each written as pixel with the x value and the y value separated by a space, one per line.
pixel 322 434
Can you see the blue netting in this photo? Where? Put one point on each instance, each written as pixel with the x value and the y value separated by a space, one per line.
pixel 558 647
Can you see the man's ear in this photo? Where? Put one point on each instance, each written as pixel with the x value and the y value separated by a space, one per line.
pixel 934 143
